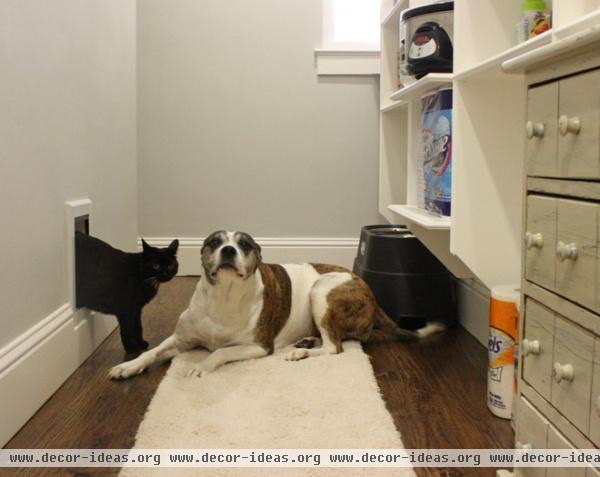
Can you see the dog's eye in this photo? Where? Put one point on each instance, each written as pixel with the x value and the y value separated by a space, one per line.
pixel 214 243
pixel 156 266
pixel 247 246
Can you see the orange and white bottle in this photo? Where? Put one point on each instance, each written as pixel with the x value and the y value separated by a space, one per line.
pixel 502 345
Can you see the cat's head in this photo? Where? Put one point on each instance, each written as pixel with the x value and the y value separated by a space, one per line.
pixel 160 263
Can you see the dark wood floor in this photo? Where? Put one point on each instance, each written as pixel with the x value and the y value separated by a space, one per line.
pixel 435 390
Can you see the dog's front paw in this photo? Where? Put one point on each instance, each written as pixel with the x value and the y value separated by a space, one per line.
pixel 308 343
pixel 197 372
pixel 297 354
pixel 125 370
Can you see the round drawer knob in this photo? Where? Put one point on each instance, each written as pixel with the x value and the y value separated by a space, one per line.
pixel 530 347
pixel 566 251
pixel 533 240
pixel 563 371
pixel 568 125
pixel 534 129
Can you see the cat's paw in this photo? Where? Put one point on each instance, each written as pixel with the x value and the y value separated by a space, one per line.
pixel 125 370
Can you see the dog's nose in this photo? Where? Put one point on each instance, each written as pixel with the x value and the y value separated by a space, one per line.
pixel 228 251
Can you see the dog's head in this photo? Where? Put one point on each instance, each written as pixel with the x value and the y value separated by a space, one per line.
pixel 234 255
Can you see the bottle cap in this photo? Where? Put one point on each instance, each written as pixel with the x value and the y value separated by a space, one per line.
pixel 529 5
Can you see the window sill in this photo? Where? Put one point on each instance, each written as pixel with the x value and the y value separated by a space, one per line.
pixel 331 62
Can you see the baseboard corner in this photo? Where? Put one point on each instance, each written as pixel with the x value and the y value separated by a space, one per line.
pixel 36 363
pixel 473 309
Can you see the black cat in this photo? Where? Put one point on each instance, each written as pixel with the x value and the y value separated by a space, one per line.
pixel 119 283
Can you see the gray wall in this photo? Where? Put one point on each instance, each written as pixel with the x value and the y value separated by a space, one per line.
pixel 236 130
pixel 67 115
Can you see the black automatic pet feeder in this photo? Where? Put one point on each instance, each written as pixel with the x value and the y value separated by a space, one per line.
pixel 409 283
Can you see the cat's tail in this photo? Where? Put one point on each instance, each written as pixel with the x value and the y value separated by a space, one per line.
pixel 384 323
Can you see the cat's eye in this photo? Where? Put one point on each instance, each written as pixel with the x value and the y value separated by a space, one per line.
pixel 156 266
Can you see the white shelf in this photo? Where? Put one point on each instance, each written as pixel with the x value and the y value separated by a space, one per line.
pixel 392 106
pixel 417 89
pixel 496 61
pixel 563 47
pixel 394 13
pixel 421 217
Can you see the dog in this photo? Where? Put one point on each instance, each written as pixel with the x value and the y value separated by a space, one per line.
pixel 244 309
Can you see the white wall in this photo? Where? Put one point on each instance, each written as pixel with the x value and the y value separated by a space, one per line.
pixel 68 130
pixel 237 131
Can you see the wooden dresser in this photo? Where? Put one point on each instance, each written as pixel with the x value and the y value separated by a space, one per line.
pixel 559 386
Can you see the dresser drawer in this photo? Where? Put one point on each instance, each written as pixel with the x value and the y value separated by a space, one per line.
pixel 537 347
pixel 532 433
pixel 540 240
pixel 576 251
pixel 595 404
pixel 542 130
pixel 579 126
pixel 572 372
pixel 557 441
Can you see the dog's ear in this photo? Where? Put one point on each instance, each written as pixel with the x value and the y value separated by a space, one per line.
pixel 257 250
pixel 256 247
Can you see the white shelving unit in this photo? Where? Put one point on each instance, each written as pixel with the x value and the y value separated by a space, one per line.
pixel 492 65
pixel 390 14
pixel 392 106
pixel 421 217
pixel 416 90
pixel 483 236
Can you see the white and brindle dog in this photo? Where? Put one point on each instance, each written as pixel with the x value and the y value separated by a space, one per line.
pixel 243 309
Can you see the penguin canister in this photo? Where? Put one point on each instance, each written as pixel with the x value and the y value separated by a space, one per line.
pixel 436 131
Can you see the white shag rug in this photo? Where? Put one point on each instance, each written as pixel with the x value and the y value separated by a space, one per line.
pixel 321 402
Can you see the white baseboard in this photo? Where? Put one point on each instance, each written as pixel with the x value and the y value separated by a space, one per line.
pixel 474 308
pixel 338 251
pixel 35 364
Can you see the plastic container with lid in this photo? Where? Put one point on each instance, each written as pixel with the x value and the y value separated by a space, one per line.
pixel 536 18
pixel 408 281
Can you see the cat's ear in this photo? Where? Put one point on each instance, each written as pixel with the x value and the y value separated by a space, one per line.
pixel 174 246
pixel 145 246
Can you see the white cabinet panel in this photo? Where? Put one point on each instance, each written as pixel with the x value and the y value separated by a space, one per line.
pixel 532 432
pixel 576 251
pixel 537 347
pixel 540 240
pixel 579 126
pixel 572 372
pixel 595 404
pixel 542 129
pixel 557 441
